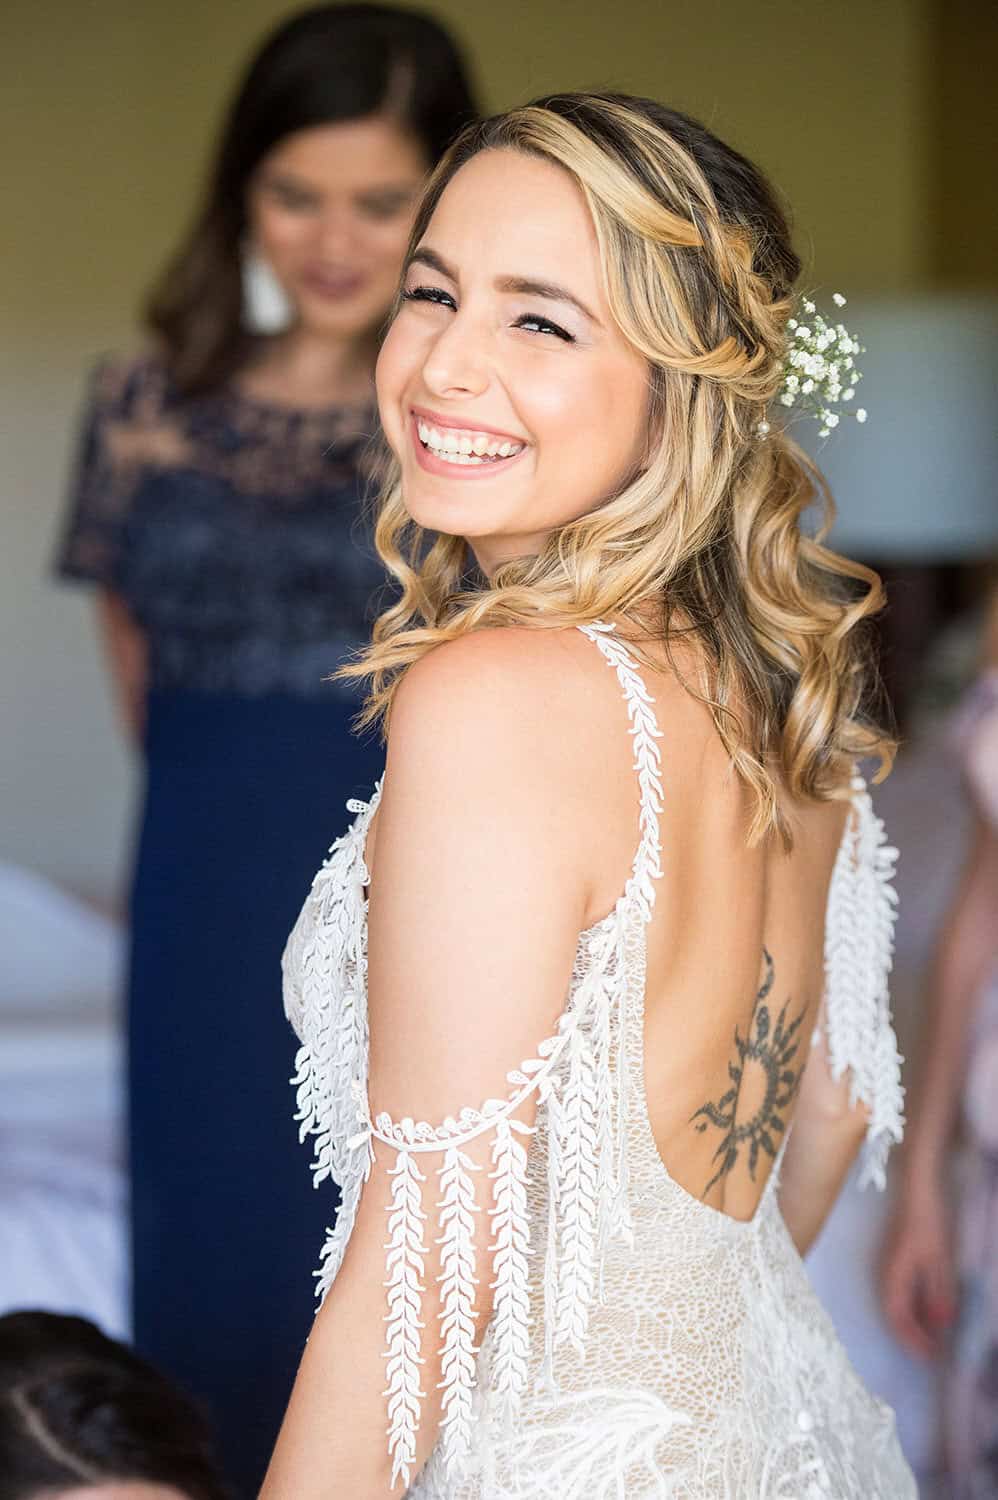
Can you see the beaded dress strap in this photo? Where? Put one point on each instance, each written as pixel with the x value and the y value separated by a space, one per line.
pixel 645 733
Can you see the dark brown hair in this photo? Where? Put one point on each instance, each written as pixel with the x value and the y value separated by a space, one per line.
pixel 79 1408
pixel 329 64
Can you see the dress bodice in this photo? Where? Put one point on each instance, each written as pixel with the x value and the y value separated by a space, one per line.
pixel 233 530
pixel 641 1342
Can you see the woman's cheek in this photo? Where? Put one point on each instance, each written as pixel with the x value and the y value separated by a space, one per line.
pixel 553 406
pixel 392 375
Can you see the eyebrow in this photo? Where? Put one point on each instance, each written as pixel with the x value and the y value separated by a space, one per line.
pixel 524 285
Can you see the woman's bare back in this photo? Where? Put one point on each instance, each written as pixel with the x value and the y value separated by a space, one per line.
pixel 735 942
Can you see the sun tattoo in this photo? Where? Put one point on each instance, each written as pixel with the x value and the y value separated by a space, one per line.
pixel 767 1055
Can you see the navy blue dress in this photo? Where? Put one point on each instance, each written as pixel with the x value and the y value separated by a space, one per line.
pixel 234 532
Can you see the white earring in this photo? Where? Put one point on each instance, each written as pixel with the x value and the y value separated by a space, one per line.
pixel 267 308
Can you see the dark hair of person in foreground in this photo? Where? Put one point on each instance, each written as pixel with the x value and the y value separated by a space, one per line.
pixel 78 1409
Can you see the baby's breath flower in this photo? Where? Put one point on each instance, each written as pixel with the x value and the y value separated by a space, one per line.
pixel 820 370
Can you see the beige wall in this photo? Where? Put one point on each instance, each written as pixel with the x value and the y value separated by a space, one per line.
pixel 107 108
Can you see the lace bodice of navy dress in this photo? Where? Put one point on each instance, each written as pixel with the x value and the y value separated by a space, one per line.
pixel 641 1343
pixel 232 529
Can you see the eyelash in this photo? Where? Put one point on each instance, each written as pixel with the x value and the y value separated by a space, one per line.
pixel 443 299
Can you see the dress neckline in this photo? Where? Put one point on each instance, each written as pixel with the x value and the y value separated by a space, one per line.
pixel 235 393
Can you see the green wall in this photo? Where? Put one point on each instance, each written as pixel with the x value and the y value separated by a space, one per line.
pixel 108 105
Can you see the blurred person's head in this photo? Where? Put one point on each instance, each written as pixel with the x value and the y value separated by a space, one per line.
pixel 331 134
pixel 84 1418
pixel 591 328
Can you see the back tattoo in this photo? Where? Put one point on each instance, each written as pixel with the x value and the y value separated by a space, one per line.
pixel 764 1080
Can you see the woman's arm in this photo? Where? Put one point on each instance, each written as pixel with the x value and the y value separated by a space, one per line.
pixel 827 1134
pixel 966 951
pixel 918 1278
pixel 127 654
pixel 477 896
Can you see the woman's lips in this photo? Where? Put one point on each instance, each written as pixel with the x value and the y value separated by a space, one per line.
pixel 335 286
pixel 448 469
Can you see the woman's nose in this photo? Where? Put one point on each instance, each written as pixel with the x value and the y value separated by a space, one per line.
pixel 337 235
pixel 456 362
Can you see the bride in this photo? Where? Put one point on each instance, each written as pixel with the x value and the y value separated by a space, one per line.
pixel 592 994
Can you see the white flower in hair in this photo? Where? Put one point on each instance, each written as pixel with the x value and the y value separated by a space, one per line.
pixel 820 370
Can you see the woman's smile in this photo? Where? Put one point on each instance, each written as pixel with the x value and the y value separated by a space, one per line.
pixel 457 452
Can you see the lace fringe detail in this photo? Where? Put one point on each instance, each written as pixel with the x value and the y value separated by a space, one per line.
pixel 510 1251
pixel 405 1263
pixel 859 948
pixel 327 1006
pixel 457 1284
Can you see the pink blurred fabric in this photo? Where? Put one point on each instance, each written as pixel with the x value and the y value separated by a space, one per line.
pixel 970 1406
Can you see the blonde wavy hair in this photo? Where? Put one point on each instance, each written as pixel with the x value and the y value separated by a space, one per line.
pixel 706 541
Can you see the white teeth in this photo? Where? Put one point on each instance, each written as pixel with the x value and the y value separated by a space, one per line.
pixel 465 447
pixel 461 458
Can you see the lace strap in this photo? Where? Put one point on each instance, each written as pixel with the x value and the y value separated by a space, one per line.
pixel 859 949
pixel 645 733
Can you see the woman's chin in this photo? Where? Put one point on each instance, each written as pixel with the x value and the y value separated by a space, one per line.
pixel 446 507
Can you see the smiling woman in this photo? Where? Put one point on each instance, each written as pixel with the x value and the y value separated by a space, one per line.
pixel 592 994
pixel 480 346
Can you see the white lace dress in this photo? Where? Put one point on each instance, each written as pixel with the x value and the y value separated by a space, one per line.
pixel 641 1343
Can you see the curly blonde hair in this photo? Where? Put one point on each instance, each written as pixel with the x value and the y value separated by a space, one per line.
pixel 698 270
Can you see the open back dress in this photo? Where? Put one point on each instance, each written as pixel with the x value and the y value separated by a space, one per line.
pixel 642 1343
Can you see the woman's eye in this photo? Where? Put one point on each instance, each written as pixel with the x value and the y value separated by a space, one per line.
pixel 386 208
pixel 290 199
pixel 428 294
pixel 533 323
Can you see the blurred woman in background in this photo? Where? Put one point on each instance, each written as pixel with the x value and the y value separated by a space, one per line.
pixel 217 506
pixel 941 1286
pixel 80 1413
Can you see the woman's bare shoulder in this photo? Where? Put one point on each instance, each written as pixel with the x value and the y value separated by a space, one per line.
pixel 498 687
